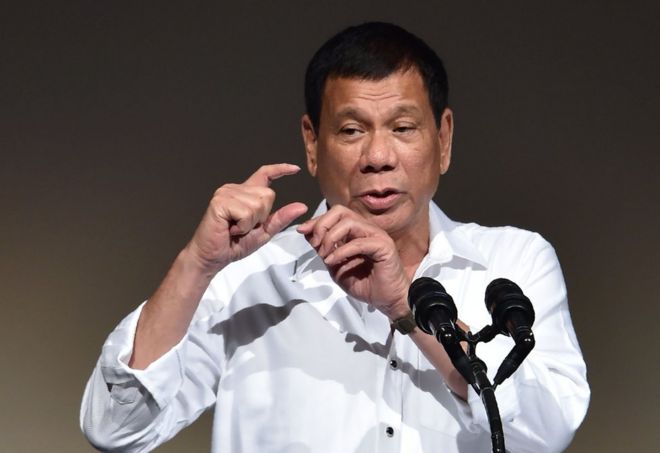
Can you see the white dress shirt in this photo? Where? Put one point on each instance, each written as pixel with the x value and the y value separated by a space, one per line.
pixel 292 364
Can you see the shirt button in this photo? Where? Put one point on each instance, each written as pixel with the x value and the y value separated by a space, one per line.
pixel 394 364
pixel 389 431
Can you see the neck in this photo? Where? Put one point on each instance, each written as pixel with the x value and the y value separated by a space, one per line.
pixel 412 247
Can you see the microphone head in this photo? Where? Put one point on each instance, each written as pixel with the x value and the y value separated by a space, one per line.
pixel 502 298
pixel 425 295
pixel 423 286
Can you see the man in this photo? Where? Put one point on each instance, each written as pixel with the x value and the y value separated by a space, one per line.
pixel 298 338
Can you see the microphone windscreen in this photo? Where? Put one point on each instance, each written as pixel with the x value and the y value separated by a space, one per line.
pixel 423 286
pixel 500 289
pixel 503 298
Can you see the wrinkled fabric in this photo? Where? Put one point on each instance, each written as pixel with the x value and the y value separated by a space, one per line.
pixel 290 363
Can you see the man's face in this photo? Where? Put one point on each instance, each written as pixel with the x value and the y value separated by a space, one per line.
pixel 378 150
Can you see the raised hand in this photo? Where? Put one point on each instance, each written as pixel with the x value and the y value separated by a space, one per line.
pixel 361 257
pixel 239 220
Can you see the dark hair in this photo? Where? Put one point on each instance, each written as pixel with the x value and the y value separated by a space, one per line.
pixel 373 51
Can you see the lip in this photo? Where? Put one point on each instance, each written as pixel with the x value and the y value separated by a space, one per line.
pixel 378 201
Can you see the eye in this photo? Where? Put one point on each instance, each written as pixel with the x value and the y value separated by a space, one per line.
pixel 350 131
pixel 406 129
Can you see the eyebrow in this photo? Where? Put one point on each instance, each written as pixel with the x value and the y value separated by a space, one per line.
pixel 349 112
pixel 406 109
pixel 403 109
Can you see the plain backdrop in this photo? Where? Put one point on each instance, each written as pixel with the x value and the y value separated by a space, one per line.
pixel 119 119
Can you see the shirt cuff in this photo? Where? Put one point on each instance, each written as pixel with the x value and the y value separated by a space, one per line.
pixel 162 378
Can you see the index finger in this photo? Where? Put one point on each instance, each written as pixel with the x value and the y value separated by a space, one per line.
pixel 266 174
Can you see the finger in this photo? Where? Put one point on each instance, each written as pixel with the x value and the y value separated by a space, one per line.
pixel 373 248
pixel 307 226
pixel 352 266
pixel 346 230
pixel 244 207
pixel 281 218
pixel 268 173
pixel 325 223
pixel 242 219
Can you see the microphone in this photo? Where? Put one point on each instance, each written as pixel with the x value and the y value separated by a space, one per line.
pixel 433 308
pixel 513 315
pixel 435 314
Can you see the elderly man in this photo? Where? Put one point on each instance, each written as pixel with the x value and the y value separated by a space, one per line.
pixel 301 338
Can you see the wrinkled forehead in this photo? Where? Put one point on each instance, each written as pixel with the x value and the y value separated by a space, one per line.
pixel 400 93
pixel 410 72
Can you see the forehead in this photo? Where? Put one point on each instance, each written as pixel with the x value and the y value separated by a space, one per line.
pixel 400 91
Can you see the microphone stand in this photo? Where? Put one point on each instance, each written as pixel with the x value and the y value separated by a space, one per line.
pixel 435 314
pixel 478 378
pixel 483 386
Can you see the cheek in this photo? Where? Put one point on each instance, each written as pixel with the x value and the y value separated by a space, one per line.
pixel 334 175
pixel 421 160
pixel 339 161
pixel 423 170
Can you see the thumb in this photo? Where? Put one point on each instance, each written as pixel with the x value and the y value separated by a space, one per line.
pixel 281 218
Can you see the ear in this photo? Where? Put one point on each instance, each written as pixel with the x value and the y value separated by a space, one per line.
pixel 445 135
pixel 311 143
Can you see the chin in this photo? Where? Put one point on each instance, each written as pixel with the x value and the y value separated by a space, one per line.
pixel 390 222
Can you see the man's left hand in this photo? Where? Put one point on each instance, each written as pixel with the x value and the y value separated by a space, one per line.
pixel 361 258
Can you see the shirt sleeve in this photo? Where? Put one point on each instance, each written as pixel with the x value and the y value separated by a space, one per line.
pixel 129 410
pixel 543 403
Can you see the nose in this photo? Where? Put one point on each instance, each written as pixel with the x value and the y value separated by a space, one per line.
pixel 378 154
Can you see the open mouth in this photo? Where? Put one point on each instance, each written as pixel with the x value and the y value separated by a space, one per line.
pixel 382 194
pixel 381 200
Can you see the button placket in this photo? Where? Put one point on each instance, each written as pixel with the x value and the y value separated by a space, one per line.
pixel 392 399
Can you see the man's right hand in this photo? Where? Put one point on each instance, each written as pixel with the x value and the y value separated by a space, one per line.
pixel 239 220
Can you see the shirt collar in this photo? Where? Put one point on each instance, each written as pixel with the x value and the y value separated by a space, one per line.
pixel 449 241
pixel 446 242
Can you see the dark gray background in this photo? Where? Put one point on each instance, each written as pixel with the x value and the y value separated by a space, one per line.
pixel 119 119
